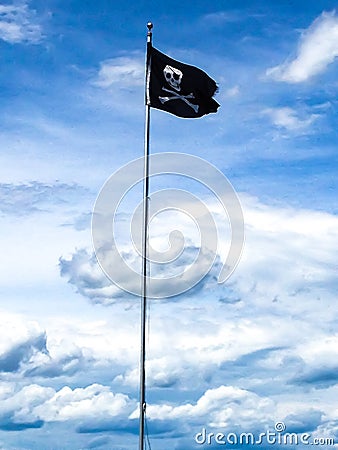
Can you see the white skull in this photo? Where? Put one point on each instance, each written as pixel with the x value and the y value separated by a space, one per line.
pixel 173 77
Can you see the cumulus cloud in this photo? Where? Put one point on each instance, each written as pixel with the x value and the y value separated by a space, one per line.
pixel 44 365
pixel 18 24
pixel 84 272
pixel 221 406
pixel 27 351
pixel 16 409
pixel 317 49
pixel 22 353
pixel 210 350
pixel 33 405
pixel 93 402
pixel 95 408
pixel 20 342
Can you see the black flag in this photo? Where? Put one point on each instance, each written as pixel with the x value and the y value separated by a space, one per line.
pixel 180 89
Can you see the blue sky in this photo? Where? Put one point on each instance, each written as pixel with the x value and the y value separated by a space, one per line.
pixel 236 357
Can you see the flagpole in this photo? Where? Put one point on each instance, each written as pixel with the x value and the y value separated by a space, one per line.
pixel 145 240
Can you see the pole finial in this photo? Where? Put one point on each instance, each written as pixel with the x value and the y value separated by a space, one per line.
pixel 150 26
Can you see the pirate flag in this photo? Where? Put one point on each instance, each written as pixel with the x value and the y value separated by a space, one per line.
pixel 180 89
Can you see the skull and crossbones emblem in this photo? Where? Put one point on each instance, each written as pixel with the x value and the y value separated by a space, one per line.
pixel 174 77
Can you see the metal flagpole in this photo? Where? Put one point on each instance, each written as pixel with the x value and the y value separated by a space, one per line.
pixel 145 240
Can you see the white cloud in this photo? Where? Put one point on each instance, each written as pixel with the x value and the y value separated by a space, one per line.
pixel 96 340
pixel 16 330
pixel 84 272
pixel 201 355
pixel 95 401
pixel 289 259
pixel 288 118
pixel 122 71
pixel 219 407
pixel 33 403
pixel 318 47
pixel 21 340
pixel 17 405
pixel 18 24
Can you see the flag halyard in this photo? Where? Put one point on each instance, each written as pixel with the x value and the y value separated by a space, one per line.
pixel 180 89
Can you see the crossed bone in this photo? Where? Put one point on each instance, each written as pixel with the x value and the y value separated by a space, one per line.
pixel 180 97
